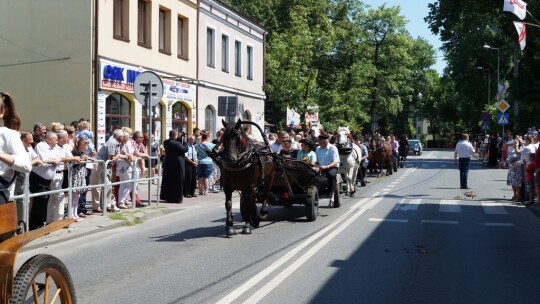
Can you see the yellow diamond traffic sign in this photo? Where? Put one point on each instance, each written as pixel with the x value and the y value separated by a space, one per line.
pixel 503 106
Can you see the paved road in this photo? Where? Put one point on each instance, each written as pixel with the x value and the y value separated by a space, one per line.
pixel 412 237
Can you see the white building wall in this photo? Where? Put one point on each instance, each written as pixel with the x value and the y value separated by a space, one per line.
pixel 215 82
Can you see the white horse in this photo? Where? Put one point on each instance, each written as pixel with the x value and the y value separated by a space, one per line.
pixel 314 131
pixel 350 156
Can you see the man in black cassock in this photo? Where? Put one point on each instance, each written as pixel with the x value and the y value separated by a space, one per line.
pixel 172 186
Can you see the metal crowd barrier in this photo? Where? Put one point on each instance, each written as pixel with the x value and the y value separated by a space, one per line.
pixel 27 195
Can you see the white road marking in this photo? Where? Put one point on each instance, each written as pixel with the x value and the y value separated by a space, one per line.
pixel 390 186
pixel 439 222
pixel 278 279
pixel 375 219
pixel 395 182
pixel 499 224
pixel 412 205
pixel 289 255
pixel 386 190
pixel 449 206
pixel 371 203
pixel 491 207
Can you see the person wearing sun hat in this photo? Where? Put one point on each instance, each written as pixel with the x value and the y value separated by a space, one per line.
pixel 306 152
pixel 328 162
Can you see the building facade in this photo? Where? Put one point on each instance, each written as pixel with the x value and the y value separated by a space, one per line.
pixel 231 67
pixel 68 59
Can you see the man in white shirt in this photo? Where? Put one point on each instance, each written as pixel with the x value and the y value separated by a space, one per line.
pixel 278 144
pixel 57 201
pixel 41 176
pixel 464 150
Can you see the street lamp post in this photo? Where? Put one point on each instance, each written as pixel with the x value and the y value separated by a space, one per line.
pixel 492 48
pixel 488 96
pixel 498 78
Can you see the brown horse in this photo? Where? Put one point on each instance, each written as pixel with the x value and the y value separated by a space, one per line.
pixel 249 169
pixel 381 154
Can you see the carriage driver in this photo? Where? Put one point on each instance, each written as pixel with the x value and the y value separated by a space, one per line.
pixel 328 162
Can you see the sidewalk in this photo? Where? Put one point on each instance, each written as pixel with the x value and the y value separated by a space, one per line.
pixel 97 223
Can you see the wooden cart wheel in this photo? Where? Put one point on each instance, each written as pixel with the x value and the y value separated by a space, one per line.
pixel 43 279
pixel 312 204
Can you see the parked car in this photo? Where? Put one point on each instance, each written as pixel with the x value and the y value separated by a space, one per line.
pixel 415 147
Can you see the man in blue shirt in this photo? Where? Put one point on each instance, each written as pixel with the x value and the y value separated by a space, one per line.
pixel 328 162
pixel 191 168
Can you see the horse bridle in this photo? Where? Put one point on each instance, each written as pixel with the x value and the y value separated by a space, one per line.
pixel 245 160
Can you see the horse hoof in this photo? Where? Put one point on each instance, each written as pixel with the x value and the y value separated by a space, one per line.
pixel 230 232
pixel 246 230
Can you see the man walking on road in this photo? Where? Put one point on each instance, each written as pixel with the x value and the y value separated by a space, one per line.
pixel 464 150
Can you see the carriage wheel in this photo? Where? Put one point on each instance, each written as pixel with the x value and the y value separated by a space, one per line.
pixel 43 279
pixel 312 204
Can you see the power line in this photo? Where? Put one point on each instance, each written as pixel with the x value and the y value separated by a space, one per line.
pixel 30 62
pixel 22 47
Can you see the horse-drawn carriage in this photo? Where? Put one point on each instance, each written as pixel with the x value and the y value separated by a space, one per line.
pixel 41 279
pixel 296 182
pixel 263 177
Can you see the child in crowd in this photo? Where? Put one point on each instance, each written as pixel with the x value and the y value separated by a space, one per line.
pixel 529 178
pixel 78 178
pixel 514 177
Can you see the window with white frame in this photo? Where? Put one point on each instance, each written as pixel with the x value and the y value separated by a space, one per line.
pixel 250 62
pixel 225 53
pixel 210 47
pixel 238 58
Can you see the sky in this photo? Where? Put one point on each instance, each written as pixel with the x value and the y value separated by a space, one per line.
pixel 415 11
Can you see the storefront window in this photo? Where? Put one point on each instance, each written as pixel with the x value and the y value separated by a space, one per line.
pixel 117 113
pixel 180 118
pixel 210 120
pixel 156 121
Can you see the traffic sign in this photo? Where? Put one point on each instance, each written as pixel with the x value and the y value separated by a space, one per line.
pixel 503 106
pixel 146 84
pixel 485 116
pixel 485 125
pixel 503 118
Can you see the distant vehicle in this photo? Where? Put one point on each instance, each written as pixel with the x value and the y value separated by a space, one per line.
pixel 415 147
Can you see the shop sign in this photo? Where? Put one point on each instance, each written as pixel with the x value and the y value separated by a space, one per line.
pixel 117 76
pixel 179 91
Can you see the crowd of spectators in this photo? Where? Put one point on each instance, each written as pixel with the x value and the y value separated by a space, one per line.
pixel 518 154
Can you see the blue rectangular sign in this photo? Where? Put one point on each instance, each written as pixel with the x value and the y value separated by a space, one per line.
pixel 503 118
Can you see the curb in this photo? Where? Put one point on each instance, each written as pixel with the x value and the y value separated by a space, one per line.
pixel 71 233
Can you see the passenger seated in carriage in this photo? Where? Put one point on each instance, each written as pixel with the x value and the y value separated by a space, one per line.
pixel 306 153
pixel 286 149
pixel 328 161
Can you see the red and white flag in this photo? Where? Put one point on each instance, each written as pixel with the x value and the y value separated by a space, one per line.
pixel 517 7
pixel 522 33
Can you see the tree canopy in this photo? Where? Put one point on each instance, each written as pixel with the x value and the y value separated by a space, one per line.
pixel 363 69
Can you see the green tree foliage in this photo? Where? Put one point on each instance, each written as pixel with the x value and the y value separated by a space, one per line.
pixel 353 61
pixel 465 27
